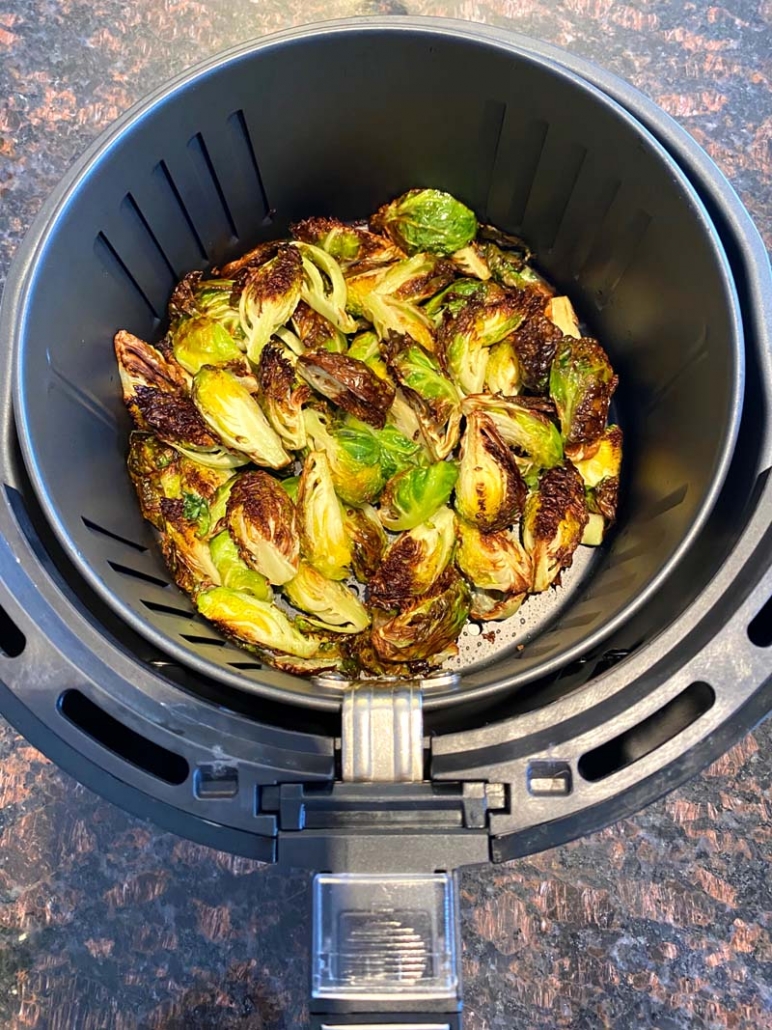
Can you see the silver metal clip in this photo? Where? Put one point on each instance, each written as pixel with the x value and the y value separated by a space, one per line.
pixel 382 733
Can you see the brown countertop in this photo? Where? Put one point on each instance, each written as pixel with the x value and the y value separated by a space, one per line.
pixel 662 920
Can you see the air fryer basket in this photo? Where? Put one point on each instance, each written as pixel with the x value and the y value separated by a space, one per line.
pixel 232 157
pixel 658 657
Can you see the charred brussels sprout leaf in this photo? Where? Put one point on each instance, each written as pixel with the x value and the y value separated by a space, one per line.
pixel 230 410
pixel 264 525
pixel 335 607
pixel 349 245
pixel 415 494
pixel 490 491
pixel 348 383
pixel 235 573
pixel 188 556
pixel 325 542
pixel 427 626
pixel 323 286
pixel 582 382
pixel 553 523
pixel 148 458
pixel 535 343
pixel 520 426
pixel 368 540
pixel 282 395
pixel 427 220
pixel 434 398
pixel 315 332
pixel 215 299
pixel 252 621
pixel 466 337
pixel 499 569
pixel 414 562
pixel 269 296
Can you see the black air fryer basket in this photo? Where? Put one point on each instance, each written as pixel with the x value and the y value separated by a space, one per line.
pixel 643 667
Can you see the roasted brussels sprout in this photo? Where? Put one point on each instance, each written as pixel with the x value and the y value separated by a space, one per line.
pixel 354 456
pixel 252 259
pixel 325 542
pixel 499 569
pixel 582 382
pixel 502 373
pixel 230 410
pixel 325 293
pixel 263 522
pixel 348 383
pixel 553 523
pixel 368 540
pixel 506 268
pixel 415 494
pixel 414 562
pixel 434 398
pixel 216 299
pixel 599 466
pixel 535 343
pixel 337 609
pixel 202 341
pixel 252 621
pixel 148 457
pixel 427 626
pixel 521 426
pixel 560 311
pixel 282 395
pixel 187 555
pixel 268 297
pixel 490 491
pixel 235 573
pixel 144 370
pixel 466 337
pixel 367 347
pixel 315 332
pixel 348 244
pixel 472 261
pixel 389 297
pixel 426 220
pixel 454 297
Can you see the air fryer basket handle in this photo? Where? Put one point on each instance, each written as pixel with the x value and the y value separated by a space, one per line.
pixel 385 951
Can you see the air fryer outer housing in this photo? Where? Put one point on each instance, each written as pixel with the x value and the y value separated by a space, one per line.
pixel 619 707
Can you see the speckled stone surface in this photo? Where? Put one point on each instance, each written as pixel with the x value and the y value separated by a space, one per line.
pixel 660 921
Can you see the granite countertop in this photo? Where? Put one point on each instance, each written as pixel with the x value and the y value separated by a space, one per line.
pixel 663 920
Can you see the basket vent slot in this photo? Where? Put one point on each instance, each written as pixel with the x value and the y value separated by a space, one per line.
pixel 123 741
pixel 193 638
pixel 12 640
pixel 101 531
pixel 656 730
pixel 112 261
pixel 168 609
pixel 131 206
pixel 145 577
pixel 238 124
pixel 760 630
pixel 162 173
pixel 203 163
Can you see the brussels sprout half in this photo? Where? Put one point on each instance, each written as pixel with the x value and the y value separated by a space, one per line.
pixel 426 220
pixel 336 607
pixel 415 494
pixel 554 520
pixel 263 522
pixel 490 491
pixel 414 562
